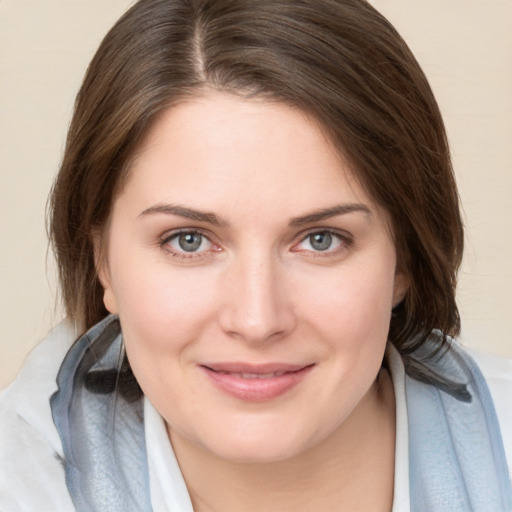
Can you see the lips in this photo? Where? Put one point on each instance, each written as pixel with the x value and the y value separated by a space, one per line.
pixel 255 375
pixel 255 382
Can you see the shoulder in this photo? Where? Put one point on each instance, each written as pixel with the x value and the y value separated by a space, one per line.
pixel 498 375
pixel 28 438
pixel 28 395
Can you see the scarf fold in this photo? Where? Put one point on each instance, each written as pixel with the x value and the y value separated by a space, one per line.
pixel 102 433
pixel 456 454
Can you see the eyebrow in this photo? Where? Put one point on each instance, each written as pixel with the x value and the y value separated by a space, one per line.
pixel 188 213
pixel 211 218
pixel 327 213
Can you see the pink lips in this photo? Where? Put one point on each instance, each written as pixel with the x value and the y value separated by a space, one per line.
pixel 255 382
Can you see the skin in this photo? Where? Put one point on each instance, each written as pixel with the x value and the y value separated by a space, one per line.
pixel 258 290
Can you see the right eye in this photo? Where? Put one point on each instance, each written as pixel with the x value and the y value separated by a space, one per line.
pixel 187 244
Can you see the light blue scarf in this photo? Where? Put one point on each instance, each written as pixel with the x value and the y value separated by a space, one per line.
pixel 457 460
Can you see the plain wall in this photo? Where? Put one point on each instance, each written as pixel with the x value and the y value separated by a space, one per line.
pixel 464 46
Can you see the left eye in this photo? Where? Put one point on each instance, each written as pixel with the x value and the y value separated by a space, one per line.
pixel 189 241
pixel 320 241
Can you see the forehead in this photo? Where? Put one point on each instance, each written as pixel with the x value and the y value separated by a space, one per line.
pixel 218 149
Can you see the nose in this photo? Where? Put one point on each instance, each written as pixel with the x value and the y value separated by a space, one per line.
pixel 257 305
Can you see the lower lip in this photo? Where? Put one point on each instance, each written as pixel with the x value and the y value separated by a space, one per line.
pixel 256 390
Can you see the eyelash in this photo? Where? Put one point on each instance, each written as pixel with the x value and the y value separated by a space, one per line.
pixel 345 242
pixel 184 255
pixel 344 239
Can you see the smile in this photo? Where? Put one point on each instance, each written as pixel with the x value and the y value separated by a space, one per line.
pixel 255 375
pixel 255 383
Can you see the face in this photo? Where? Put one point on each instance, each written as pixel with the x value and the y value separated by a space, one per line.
pixel 253 277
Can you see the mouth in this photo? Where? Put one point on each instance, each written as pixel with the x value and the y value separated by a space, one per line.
pixel 254 375
pixel 255 382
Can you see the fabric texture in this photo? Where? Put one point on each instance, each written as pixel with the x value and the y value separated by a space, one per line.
pixel 102 433
pixel 456 458
pixel 456 455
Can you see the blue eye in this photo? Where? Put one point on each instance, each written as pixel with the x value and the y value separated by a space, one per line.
pixel 321 241
pixel 188 242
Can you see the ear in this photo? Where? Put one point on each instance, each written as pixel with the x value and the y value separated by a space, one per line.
pixel 103 272
pixel 400 287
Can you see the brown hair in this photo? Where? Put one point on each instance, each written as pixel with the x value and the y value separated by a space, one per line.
pixel 338 60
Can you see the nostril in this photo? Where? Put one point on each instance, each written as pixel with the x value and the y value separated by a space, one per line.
pixel 255 306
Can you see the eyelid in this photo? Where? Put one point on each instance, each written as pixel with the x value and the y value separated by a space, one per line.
pixel 345 238
pixel 168 236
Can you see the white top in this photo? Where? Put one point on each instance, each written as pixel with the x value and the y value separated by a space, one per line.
pixel 163 467
pixel 32 475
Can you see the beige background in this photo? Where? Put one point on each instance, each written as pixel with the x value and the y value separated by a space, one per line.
pixel 464 46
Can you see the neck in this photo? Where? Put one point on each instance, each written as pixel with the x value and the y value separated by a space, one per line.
pixel 352 469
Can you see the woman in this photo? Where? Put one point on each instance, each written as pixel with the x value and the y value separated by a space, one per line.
pixel 257 227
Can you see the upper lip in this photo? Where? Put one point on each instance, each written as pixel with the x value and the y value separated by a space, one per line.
pixel 265 368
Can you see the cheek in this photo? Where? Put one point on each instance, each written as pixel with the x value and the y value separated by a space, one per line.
pixel 164 305
pixel 161 307
pixel 351 317
pixel 354 302
pixel 163 314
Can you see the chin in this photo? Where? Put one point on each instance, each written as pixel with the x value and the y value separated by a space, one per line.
pixel 259 444
pixel 265 452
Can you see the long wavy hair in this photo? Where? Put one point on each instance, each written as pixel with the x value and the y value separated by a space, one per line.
pixel 338 60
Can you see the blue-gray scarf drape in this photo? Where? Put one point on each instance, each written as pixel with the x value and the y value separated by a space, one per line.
pixel 456 455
